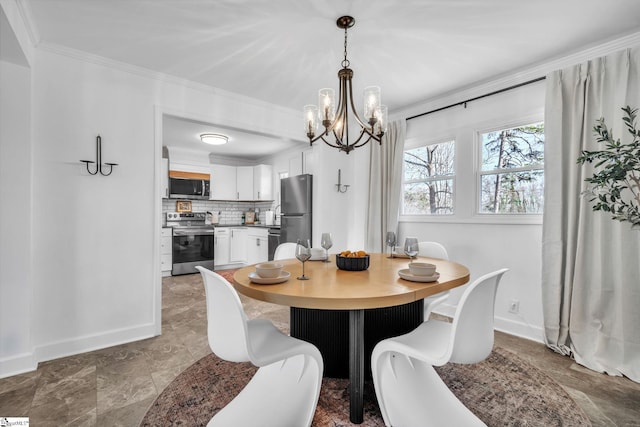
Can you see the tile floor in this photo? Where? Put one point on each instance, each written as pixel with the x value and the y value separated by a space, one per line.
pixel 115 386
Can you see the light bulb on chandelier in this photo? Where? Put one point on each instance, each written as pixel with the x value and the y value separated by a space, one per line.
pixel 335 120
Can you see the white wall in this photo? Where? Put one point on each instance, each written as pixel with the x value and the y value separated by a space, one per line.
pixel 16 287
pixel 15 212
pixel 97 280
pixel 485 243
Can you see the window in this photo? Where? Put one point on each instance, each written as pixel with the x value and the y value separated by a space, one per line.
pixel 427 182
pixel 511 172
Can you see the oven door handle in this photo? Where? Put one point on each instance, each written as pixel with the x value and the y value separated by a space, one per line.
pixel 191 232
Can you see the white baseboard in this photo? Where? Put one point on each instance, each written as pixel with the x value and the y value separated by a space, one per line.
pixel 19 364
pixel 27 362
pixel 94 342
pixel 508 326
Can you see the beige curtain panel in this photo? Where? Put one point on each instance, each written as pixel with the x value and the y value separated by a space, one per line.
pixel 385 179
pixel 591 263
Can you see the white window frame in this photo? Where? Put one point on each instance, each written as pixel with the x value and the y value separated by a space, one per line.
pixel 502 218
pixel 418 143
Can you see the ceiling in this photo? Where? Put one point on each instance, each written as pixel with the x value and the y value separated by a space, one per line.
pixel 283 51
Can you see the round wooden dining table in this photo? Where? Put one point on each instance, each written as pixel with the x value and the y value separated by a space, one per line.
pixel 345 313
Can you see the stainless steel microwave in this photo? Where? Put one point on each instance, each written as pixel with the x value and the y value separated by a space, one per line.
pixel 188 187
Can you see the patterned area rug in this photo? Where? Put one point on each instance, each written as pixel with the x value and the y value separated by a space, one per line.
pixel 504 390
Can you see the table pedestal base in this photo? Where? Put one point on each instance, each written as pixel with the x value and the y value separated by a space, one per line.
pixel 346 339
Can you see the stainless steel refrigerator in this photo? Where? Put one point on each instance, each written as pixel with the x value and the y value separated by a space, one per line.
pixel 296 208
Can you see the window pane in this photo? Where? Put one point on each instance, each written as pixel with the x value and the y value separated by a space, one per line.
pixel 429 161
pixel 513 148
pixel 433 197
pixel 520 192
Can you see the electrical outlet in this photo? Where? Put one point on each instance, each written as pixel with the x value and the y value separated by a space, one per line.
pixel 514 306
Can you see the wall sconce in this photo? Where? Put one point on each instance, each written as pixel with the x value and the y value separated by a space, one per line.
pixel 341 188
pixel 99 160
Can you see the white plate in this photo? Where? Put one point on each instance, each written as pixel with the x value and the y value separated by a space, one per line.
pixel 283 277
pixel 405 273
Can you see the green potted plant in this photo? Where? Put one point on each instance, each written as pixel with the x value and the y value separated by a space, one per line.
pixel 615 184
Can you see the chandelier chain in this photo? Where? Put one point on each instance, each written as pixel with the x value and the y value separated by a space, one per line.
pixel 345 61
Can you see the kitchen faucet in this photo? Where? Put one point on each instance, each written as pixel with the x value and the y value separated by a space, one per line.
pixel 275 213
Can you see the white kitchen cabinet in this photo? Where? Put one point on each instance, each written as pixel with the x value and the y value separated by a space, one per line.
pixel 164 179
pixel 223 183
pixel 241 182
pixel 257 245
pixel 244 182
pixel 166 246
pixel 238 245
pixel 262 182
pixel 191 168
pixel 221 246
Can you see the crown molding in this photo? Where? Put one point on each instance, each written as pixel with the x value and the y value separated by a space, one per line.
pixel 520 76
pixel 24 8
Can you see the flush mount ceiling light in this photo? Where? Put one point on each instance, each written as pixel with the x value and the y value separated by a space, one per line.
pixel 214 138
pixel 336 120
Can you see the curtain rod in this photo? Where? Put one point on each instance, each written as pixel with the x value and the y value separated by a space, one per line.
pixel 477 97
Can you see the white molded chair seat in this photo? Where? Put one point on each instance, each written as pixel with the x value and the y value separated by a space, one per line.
pixel 433 250
pixel 285 389
pixel 285 251
pixel 409 390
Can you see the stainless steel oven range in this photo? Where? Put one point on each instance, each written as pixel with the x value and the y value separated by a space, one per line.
pixel 192 242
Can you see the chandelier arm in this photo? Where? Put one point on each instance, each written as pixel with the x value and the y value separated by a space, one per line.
pixel 312 140
pixel 339 112
pixel 339 146
pixel 365 142
pixel 373 135
pixel 355 143
pixel 353 107
pixel 341 116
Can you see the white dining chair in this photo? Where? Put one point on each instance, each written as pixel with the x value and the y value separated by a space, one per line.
pixel 285 251
pixel 409 390
pixel 433 250
pixel 285 389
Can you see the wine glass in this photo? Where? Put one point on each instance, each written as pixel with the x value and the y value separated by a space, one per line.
pixel 326 243
pixel 391 241
pixel 411 247
pixel 303 253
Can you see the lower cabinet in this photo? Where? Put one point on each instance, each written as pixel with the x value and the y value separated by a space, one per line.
pixel 257 245
pixel 166 247
pixel 238 245
pixel 221 246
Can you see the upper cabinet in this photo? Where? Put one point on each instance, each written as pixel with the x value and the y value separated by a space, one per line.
pixel 263 182
pixel 223 183
pixel 241 182
pixel 244 182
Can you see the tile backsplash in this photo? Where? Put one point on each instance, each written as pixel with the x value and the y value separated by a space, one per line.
pixel 230 212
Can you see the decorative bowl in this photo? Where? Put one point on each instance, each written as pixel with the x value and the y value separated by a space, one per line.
pixel 352 263
pixel 269 270
pixel 422 269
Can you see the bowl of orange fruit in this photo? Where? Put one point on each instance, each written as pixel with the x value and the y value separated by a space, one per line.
pixel 352 261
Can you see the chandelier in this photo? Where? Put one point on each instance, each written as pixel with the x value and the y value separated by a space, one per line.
pixel 336 120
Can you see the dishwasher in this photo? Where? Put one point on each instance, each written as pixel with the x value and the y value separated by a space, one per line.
pixel 274 241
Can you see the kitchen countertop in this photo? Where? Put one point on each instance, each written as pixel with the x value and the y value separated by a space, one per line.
pixel 247 225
